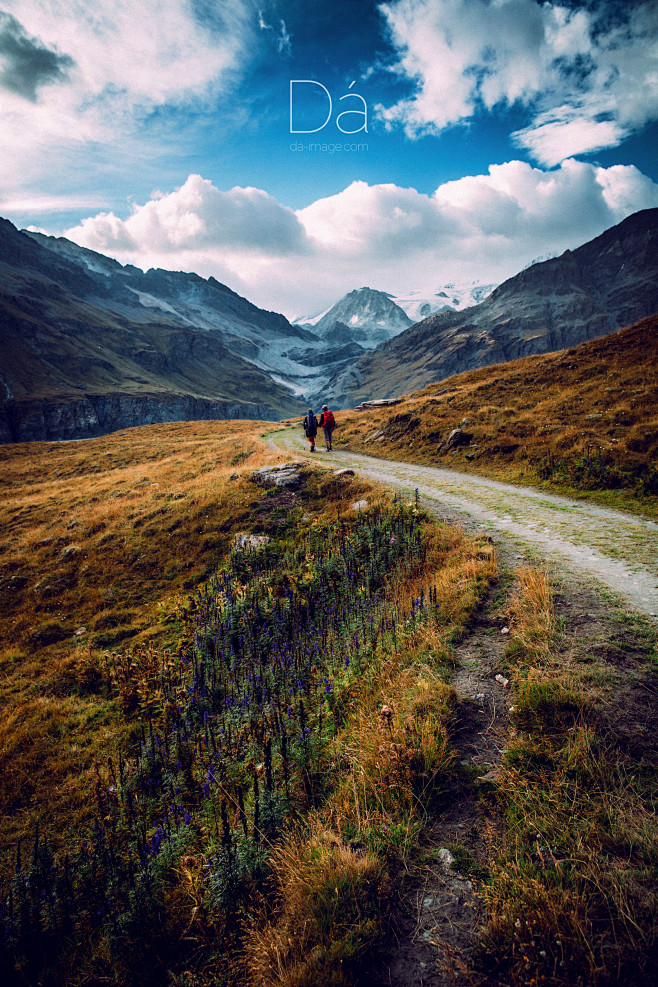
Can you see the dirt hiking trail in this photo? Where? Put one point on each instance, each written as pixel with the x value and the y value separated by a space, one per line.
pixel 601 563
pixel 618 550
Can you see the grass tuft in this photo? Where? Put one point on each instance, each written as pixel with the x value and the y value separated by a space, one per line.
pixel 327 898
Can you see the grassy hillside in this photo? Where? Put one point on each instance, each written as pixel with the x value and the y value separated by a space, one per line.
pixel 97 538
pixel 118 575
pixel 583 419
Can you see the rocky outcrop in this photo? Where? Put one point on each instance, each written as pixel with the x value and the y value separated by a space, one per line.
pixel 98 414
pixel 286 475
pixel 242 541
pixel 379 403
pixel 458 437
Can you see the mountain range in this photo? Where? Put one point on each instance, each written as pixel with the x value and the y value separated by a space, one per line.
pixel 594 290
pixel 90 346
pixel 373 310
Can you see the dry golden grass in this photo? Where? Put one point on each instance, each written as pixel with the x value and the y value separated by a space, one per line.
pixel 531 611
pixel 98 542
pixel 394 755
pixel 599 395
pixel 328 913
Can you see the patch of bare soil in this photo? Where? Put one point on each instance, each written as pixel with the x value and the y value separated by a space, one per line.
pixel 273 510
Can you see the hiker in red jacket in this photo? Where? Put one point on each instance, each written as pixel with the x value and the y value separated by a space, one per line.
pixel 327 423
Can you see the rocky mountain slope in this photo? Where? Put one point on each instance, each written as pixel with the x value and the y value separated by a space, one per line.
pixel 89 346
pixel 364 316
pixel 602 286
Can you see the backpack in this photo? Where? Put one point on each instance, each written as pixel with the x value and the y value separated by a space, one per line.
pixel 329 421
pixel 311 424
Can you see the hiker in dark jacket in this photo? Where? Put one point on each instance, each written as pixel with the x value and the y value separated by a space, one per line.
pixel 311 428
pixel 327 423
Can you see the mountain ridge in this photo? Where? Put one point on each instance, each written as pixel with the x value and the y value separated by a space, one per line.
pixel 90 346
pixel 585 293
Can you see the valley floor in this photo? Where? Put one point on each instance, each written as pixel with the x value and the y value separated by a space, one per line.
pixel 618 550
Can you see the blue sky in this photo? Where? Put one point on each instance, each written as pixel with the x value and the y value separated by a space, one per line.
pixel 498 131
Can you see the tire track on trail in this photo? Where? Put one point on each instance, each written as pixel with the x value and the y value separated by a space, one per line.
pixel 618 550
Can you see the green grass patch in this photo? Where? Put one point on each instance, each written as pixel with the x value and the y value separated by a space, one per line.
pixel 571 896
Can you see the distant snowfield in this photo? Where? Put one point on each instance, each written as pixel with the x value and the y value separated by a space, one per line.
pixel 455 295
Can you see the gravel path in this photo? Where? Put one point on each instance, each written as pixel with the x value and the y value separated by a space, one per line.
pixel 618 550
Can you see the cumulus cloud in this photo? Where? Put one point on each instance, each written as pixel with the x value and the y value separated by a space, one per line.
pixel 586 80
pixel 484 227
pixel 198 217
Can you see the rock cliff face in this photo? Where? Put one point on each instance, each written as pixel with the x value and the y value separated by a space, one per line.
pixel 97 414
pixel 89 346
pixel 602 286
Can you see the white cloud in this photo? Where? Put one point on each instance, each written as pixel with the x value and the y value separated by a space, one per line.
pixel 585 84
pixel 147 53
pixel 568 130
pixel 625 190
pixel 484 227
pixel 120 63
pixel 198 217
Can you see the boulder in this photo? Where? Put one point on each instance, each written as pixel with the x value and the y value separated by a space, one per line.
pixel 285 475
pixel 379 403
pixel 242 541
pixel 458 437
